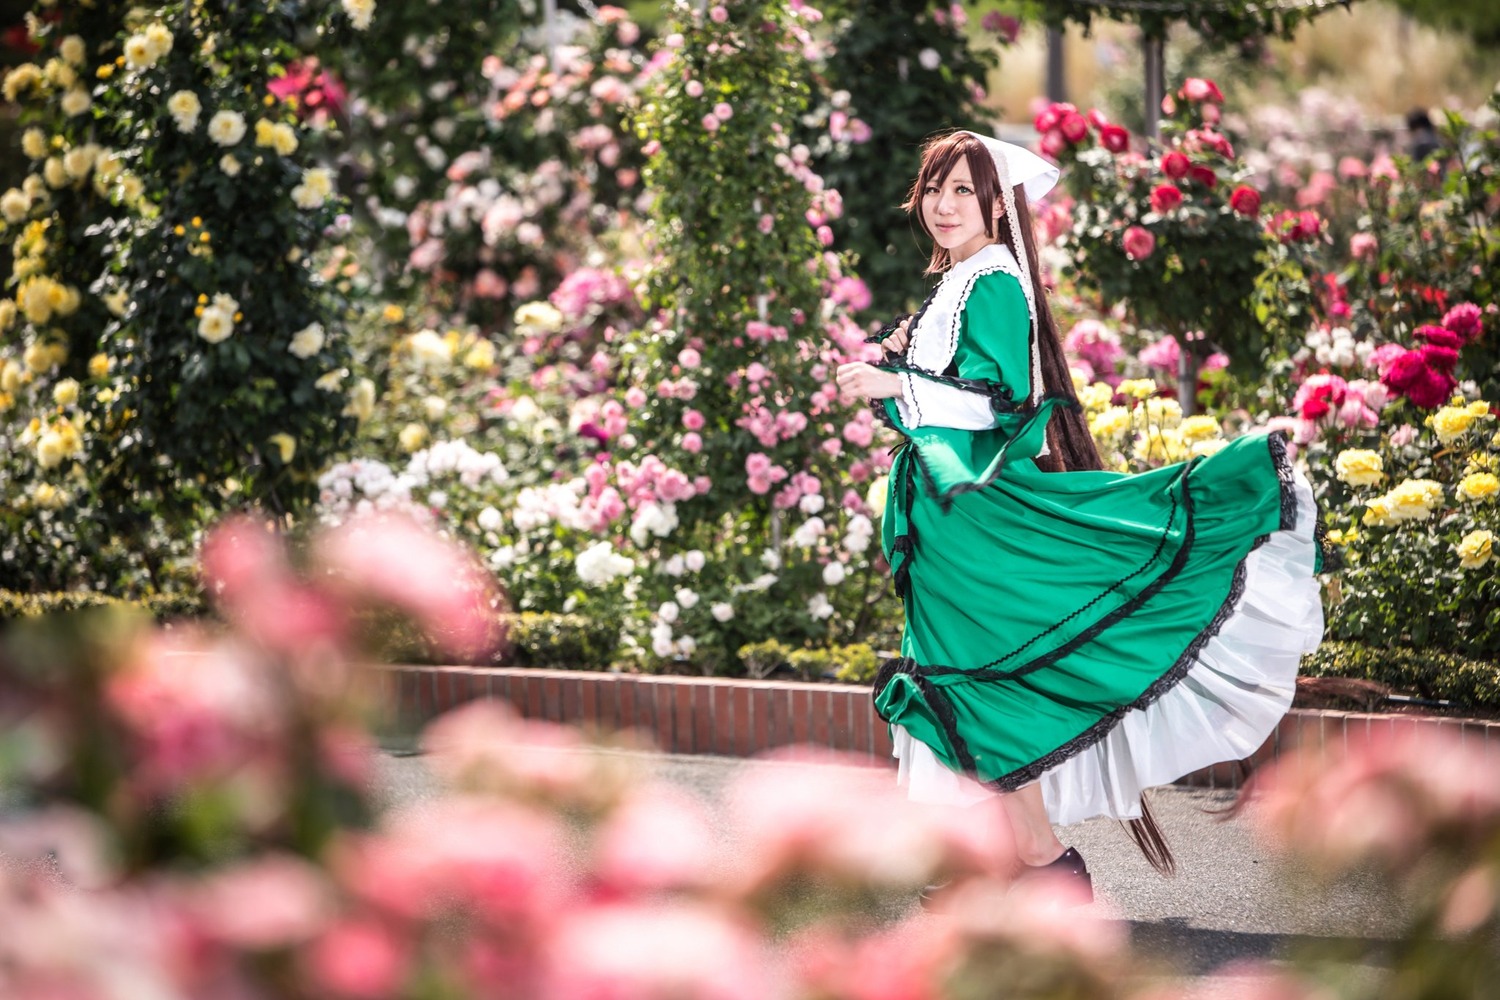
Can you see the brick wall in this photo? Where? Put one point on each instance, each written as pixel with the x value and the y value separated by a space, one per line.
pixel 742 717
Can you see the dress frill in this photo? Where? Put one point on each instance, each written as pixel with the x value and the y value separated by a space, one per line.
pixel 1219 702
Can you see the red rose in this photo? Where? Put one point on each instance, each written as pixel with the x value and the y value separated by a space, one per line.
pixel 1309 225
pixel 1139 243
pixel 1051 115
pixel 1431 389
pixel 1315 408
pixel 1444 359
pixel 1165 198
pixel 1073 126
pixel 1439 336
pixel 1203 175
pixel 1114 138
pixel 1052 143
pixel 1175 165
pixel 1403 371
pixel 1245 200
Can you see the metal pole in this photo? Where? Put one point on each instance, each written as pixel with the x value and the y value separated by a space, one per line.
pixel 1057 84
pixel 549 27
pixel 1156 84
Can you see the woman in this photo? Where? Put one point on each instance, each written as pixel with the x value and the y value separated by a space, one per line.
pixel 1073 636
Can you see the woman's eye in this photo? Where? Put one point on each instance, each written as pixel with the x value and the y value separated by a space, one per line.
pixel 964 189
pixel 929 189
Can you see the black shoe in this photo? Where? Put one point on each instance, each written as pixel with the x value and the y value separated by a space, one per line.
pixel 1070 865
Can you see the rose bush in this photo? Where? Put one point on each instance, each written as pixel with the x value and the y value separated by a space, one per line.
pixel 1176 234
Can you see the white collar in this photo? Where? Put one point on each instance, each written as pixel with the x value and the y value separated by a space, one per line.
pixel 934 341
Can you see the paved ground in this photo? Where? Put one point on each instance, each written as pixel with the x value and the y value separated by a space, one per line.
pixel 1232 899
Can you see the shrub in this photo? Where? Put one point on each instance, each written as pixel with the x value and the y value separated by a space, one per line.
pixel 562 642
pixel 1465 681
pixel 162 607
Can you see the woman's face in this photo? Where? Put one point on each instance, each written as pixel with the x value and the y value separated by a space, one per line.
pixel 953 214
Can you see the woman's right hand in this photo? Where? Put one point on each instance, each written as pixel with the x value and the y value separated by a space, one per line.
pixel 897 341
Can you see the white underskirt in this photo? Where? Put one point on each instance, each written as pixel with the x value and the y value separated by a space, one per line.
pixel 1239 686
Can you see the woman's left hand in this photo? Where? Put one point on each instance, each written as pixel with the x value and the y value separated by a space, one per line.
pixel 865 380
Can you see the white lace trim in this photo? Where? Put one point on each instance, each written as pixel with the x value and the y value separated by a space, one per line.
pixel 935 339
pixel 1237 690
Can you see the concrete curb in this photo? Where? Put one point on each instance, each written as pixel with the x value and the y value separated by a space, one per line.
pixel 737 718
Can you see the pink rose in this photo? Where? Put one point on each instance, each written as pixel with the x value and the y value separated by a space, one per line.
pixel 692 420
pixel 1466 320
pixel 1363 246
pixel 710 123
pixel 825 236
pixel 717 14
pixel 765 223
pixel 692 443
pixel 689 358
pixel 1139 243
pixel 635 397
pixel 694 88
pixel 723 111
pixel 757 464
pixel 1052 143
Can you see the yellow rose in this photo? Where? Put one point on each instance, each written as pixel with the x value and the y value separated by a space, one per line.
pixel 50 450
pixel 21 80
pixel 1138 388
pixel 72 49
pixel 34 143
pixel 331 381
pixel 1096 397
pixel 65 393
pixel 14 205
pixel 361 401
pixel 7 314
pixel 1157 413
pixel 1475 549
pixel 99 365
pixel 1415 499
pixel 1358 467
pixel 76 101
pixel 1079 382
pixel 265 129
pixel 393 313
pixel 54 173
pixel 1451 423
pixel 1378 512
pixel 481 356
pixel 1199 428
pixel 79 160
pixel 185 108
pixel 10 376
pixel 37 357
pixel 138 52
pixel 284 139
pixel 285 444
pixel 59 74
pixel 360 12
pixel 1338 536
pixel 412 437
pixel 430 350
pixel 1479 486
pixel 875 496
pixel 543 316
pixel 1203 449
pixel 159 37
pixel 1110 425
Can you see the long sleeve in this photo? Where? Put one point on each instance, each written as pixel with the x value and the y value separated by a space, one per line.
pixel 993 346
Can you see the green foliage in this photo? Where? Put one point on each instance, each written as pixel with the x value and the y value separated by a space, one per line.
pixel 162 607
pixel 1204 264
pixel 157 291
pixel 855 663
pixel 1466 681
pixel 1436 245
pixel 1478 18
pixel 562 642
pixel 1221 22
pixel 877 72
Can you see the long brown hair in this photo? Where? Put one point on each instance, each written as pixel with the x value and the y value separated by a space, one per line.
pixel 1071 446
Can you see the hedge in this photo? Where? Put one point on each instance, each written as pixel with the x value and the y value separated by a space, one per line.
pixel 1431 674
pixel 163 607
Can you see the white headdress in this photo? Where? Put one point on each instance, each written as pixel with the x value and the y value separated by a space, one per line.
pixel 1017 165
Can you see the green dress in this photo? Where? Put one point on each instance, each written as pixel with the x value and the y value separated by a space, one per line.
pixel 1097 631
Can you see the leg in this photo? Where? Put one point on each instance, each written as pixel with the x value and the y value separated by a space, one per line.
pixel 1036 843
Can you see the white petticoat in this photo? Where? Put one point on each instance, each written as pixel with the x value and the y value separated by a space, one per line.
pixel 1239 686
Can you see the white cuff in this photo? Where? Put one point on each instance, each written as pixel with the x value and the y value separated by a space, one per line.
pixel 924 403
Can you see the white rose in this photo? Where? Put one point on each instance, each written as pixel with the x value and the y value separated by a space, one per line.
pixel 662 647
pixel 489 519
pixel 229 165
pixel 694 561
pixel 435 407
pixel 819 608
pixel 770 559
pixel 226 128
pixel 811 503
pixel 686 645
pixel 360 12
pixel 307 341
pixel 722 611
pixel 674 566
pixel 687 598
pixel 185 108
pixel 215 325
pixel 833 573
pixel 929 59
pixel 668 612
